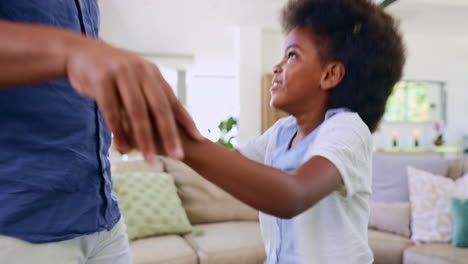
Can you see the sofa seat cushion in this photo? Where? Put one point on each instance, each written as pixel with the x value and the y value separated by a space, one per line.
pixel 388 248
pixel 162 250
pixel 229 243
pixel 436 253
pixel 394 218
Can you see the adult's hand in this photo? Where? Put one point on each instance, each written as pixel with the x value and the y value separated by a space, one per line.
pixel 137 103
pixel 126 86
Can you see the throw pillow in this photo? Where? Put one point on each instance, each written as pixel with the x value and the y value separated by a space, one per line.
pixel 150 205
pixel 459 222
pixel 430 204
pixel 203 201
pixel 120 167
pixel 390 217
pixel 390 178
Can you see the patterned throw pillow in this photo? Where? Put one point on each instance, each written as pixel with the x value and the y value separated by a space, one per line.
pixel 430 204
pixel 150 205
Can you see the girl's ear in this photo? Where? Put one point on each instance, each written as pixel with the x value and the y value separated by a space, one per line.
pixel 333 74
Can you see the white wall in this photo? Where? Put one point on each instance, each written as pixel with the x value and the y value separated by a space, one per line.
pixel 248 54
pixel 257 51
pixel 272 49
pixel 167 28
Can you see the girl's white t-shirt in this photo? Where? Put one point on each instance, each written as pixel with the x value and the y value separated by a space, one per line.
pixel 334 230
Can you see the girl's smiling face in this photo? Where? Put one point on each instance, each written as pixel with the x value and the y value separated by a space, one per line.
pixel 302 80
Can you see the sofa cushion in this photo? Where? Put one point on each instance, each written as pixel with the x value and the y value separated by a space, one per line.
pixel 390 179
pixel 203 201
pixel 390 217
pixel 229 243
pixel 150 205
pixel 459 209
pixel 430 204
pixel 457 168
pixel 162 250
pixel 387 248
pixel 465 166
pixel 435 253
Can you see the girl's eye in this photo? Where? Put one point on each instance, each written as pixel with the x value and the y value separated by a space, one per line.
pixel 291 55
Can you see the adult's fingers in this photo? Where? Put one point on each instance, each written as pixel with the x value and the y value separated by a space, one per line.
pixel 110 107
pixel 182 115
pixel 186 121
pixel 128 129
pixel 162 112
pixel 137 112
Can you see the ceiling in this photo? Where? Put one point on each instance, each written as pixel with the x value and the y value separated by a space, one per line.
pixel 437 18
pixel 203 28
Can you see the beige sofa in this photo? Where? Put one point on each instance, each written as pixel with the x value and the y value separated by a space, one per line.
pixel 225 230
pixel 390 248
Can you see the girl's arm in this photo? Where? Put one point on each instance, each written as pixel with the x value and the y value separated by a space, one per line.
pixel 262 187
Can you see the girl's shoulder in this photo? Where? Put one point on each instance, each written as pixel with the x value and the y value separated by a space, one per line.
pixel 347 121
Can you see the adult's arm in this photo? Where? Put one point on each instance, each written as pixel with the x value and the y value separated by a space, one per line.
pixel 127 88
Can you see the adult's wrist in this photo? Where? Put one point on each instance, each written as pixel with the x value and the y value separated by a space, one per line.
pixel 65 46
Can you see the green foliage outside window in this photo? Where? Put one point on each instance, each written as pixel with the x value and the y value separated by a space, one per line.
pixel 410 101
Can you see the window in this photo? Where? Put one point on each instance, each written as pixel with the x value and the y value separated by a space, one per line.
pixel 416 101
pixel 210 100
pixel 209 93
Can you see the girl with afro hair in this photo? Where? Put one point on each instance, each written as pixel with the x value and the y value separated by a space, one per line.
pixel 310 174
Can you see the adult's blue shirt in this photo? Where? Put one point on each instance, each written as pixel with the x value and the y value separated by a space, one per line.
pixel 55 180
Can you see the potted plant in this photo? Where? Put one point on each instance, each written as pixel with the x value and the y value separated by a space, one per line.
pixel 439 127
pixel 225 127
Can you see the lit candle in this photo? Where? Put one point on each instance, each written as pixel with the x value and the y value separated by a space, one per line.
pixel 416 134
pixel 394 137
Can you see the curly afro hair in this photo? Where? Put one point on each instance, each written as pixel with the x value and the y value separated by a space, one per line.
pixel 362 36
